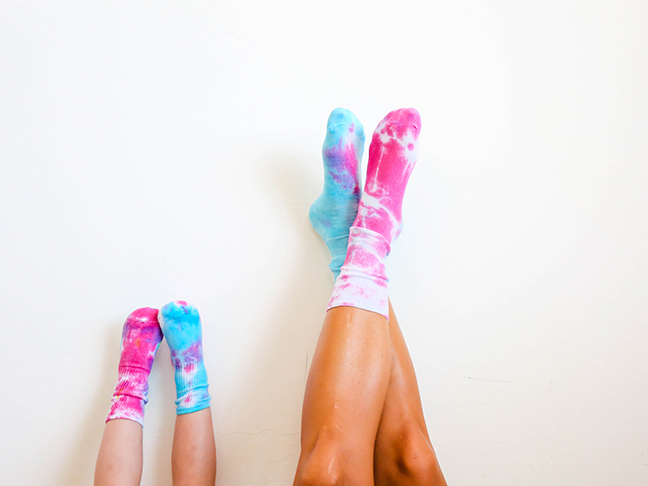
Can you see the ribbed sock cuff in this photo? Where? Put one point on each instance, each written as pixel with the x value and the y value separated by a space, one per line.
pixel 192 388
pixel 363 282
pixel 127 407
pixel 194 401
pixel 363 293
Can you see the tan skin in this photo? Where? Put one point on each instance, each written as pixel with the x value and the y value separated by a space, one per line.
pixel 193 457
pixel 362 421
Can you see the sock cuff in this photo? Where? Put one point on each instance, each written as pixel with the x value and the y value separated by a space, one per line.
pixel 353 289
pixel 362 282
pixel 195 400
pixel 366 254
pixel 191 388
pixel 127 407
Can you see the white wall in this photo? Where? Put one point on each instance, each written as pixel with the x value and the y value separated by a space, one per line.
pixel 153 151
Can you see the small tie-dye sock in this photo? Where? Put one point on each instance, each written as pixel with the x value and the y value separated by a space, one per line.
pixel 180 324
pixel 141 337
pixel 392 155
pixel 333 212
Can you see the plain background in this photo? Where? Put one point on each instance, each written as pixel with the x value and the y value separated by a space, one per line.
pixel 154 151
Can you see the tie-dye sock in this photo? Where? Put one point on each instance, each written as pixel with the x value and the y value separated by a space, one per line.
pixel 180 324
pixel 333 212
pixel 141 337
pixel 392 155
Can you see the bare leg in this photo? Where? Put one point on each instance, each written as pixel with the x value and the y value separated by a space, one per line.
pixel 344 399
pixel 350 374
pixel 120 456
pixel 404 455
pixel 193 459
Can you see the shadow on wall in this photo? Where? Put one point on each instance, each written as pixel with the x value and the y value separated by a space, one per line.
pixel 276 370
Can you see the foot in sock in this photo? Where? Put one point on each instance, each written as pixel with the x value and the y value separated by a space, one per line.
pixel 392 156
pixel 141 337
pixel 332 214
pixel 180 324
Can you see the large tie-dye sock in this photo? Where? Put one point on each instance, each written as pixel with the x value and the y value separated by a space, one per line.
pixel 181 327
pixel 141 337
pixel 334 210
pixel 392 155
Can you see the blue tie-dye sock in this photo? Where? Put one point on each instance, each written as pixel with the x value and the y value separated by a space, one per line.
pixel 180 325
pixel 333 212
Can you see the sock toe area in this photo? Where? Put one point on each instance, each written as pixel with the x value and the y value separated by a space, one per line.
pixel 143 314
pixel 342 120
pixel 178 309
pixel 341 116
pixel 142 326
pixel 401 121
pixel 180 323
pixel 404 116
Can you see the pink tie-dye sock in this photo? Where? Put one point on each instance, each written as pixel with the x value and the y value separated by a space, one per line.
pixel 392 155
pixel 141 338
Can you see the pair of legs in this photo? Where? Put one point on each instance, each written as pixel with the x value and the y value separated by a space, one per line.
pixel 193 457
pixel 362 421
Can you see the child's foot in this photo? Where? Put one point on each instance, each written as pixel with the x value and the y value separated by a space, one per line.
pixel 141 337
pixel 180 324
pixel 392 156
pixel 335 209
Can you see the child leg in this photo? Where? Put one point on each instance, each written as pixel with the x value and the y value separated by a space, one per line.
pixel 193 457
pixel 120 456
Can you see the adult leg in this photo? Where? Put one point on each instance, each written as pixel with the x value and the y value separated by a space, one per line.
pixel 344 399
pixel 193 459
pixel 349 376
pixel 404 455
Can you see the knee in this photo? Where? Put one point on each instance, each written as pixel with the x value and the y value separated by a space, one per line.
pixel 419 465
pixel 414 462
pixel 327 465
pixel 322 469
